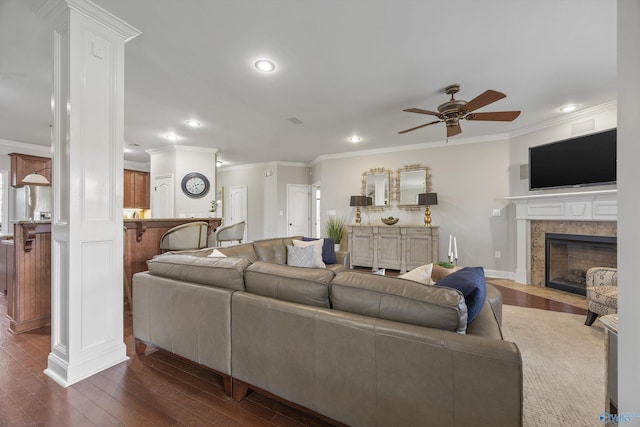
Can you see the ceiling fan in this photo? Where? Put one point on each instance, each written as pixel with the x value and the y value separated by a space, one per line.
pixel 454 110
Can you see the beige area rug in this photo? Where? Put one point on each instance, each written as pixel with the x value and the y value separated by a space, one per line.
pixel 563 366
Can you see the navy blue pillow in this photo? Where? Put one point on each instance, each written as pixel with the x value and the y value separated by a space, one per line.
pixel 328 249
pixel 471 282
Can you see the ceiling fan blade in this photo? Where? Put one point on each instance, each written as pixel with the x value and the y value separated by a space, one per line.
pixel 453 130
pixel 418 127
pixel 483 99
pixel 421 111
pixel 498 116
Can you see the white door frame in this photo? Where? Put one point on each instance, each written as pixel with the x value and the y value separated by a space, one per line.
pixel 316 206
pixel 307 189
pixel 235 217
pixel 171 195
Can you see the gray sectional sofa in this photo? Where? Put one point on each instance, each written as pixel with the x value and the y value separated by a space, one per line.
pixel 360 349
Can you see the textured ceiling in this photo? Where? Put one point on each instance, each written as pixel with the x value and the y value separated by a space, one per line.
pixel 344 67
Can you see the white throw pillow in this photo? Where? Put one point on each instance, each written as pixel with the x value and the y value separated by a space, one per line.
pixel 420 274
pixel 317 250
pixel 300 257
pixel 217 254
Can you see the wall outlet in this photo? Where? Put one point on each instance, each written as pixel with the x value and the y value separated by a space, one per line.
pixel 496 212
pixel 498 254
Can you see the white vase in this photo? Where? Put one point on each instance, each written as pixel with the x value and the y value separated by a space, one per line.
pixel 337 246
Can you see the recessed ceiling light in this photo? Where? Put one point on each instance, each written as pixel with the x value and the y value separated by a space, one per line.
pixel 218 162
pixel 172 137
pixel 264 65
pixel 193 123
pixel 569 108
pixel 354 139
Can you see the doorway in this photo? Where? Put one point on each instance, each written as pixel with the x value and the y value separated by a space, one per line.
pixel 163 204
pixel 315 211
pixel 298 209
pixel 238 208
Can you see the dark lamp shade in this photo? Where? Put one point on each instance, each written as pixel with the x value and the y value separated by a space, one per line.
pixel 360 201
pixel 427 199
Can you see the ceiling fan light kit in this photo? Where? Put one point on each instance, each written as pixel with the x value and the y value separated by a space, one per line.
pixel 454 110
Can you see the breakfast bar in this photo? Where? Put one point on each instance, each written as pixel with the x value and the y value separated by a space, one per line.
pixel 26 264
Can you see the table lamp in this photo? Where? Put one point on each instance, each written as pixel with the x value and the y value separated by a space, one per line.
pixel 427 199
pixel 358 201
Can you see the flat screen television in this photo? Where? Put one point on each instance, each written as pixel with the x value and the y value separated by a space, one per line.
pixel 576 162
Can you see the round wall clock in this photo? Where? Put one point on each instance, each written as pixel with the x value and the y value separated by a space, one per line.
pixel 195 185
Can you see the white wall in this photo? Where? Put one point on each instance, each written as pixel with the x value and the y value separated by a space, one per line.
pixel 253 178
pixel 178 161
pixel 289 175
pixel 266 193
pixel 628 209
pixel 471 180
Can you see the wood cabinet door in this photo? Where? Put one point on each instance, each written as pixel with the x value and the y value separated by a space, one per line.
pixel 129 189
pixel 361 246
pixel 390 248
pixel 142 190
pixel 422 246
pixel 24 164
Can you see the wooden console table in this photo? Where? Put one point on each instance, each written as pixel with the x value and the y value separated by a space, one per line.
pixel 394 247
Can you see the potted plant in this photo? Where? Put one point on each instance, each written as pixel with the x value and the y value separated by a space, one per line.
pixel 214 207
pixel 334 229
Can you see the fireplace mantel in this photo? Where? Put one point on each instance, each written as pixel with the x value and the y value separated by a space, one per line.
pixel 600 205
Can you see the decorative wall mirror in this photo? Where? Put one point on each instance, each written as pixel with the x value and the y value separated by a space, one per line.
pixel 375 184
pixel 411 181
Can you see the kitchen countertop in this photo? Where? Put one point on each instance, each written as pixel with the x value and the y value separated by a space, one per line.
pixel 167 219
pixel 31 221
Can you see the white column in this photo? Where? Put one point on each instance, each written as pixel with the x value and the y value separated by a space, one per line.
pixel 87 234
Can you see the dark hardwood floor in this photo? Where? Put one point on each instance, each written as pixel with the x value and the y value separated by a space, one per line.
pixel 155 389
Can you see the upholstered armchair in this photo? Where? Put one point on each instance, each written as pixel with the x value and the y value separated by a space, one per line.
pixel 602 292
pixel 230 233
pixel 192 235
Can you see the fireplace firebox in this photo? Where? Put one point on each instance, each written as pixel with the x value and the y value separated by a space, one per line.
pixel 569 256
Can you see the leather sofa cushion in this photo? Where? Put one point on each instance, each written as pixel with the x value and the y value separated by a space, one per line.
pixel 221 272
pixel 273 250
pixel 308 286
pixel 399 300
pixel 244 250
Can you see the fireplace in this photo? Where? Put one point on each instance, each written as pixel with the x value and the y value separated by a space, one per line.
pixel 569 256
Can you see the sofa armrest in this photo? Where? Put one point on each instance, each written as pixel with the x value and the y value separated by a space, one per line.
pixel 343 258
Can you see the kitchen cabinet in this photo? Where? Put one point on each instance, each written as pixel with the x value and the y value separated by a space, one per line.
pixel 136 189
pixel 394 247
pixel 25 164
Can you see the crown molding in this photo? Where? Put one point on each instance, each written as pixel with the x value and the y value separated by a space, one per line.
pixel 567 119
pixel 176 148
pixel 265 164
pixel 51 9
pixel 420 146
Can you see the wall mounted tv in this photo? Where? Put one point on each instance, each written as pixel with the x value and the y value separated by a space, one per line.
pixel 576 162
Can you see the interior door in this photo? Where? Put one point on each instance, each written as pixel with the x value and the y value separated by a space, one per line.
pixel 298 210
pixel 238 208
pixel 163 197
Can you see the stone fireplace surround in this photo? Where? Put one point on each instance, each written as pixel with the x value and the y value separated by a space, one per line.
pixel 587 213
